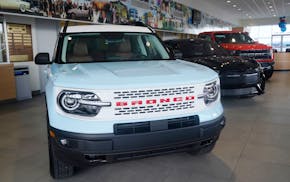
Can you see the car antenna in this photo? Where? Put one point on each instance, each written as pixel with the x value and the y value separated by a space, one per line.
pixel 65 26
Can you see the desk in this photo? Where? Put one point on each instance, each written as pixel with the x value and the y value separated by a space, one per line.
pixel 7 82
pixel 282 61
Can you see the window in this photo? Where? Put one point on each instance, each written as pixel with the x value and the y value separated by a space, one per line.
pixel 196 48
pixel 233 38
pixel 3 53
pixel 105 47
pixel 206 37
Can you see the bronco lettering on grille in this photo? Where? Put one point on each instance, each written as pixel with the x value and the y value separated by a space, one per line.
pixel 154 101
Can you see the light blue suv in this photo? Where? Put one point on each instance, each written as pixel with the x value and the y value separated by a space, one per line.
pixel 115 92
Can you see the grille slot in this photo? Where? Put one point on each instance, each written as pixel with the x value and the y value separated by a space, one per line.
pixel 150 126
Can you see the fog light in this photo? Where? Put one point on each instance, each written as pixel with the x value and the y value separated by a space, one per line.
pixel 63 141
pixel 223 122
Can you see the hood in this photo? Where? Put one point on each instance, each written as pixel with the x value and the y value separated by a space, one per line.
pixel 224 63
pixel 250 46
pixel 132 74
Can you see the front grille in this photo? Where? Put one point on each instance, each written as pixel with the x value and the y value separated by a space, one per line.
pixel 238 79
pixel 150 126
pixel 255 54
pixel 130 95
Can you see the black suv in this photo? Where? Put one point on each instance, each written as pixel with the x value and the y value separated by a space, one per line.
pixel 239 77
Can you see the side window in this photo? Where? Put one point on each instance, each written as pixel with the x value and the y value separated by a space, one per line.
pixel 221 38
pixel 205 37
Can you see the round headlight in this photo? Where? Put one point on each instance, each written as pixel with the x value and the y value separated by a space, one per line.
pixel 211 92
pixel 68 103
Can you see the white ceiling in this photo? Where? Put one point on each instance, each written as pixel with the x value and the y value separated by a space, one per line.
pixel 241 12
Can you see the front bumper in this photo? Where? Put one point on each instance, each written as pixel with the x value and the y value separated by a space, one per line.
pixel 251 91
pixel 84 150
pixel 239 84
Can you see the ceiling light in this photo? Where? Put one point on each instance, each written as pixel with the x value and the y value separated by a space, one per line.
pixel 270 7
pixel 234 5
pixel 274 15
pixel 229 1
pixel 239 9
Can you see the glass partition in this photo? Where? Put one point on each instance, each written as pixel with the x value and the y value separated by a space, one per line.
pixel 281 43
pixel 3 57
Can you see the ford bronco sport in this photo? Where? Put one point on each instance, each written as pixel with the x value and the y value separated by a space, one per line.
pixel 115 92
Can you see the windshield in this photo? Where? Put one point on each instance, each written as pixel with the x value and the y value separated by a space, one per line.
pixel 106 47
pixel 233 38
pixel 199 49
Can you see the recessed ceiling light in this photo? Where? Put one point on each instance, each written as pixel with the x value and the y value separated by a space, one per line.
pixel 234 5
pixel 229 1
pixel 270 7
pixel 239 9
pixel 274 15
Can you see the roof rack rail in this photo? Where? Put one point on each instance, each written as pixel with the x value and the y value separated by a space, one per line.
pixel 140 24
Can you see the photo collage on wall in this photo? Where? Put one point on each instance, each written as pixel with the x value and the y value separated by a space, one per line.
pixel 161 14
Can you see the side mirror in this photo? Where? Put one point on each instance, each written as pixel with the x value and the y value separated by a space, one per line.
pixel 42 59
pixel 177 54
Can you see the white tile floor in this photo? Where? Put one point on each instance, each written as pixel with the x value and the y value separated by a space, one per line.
pixel 254 146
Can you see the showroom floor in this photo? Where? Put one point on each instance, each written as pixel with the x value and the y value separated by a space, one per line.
pixel 254 146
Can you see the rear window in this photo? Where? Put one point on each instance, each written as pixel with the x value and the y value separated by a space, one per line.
pixel 197 48
pixel 106 47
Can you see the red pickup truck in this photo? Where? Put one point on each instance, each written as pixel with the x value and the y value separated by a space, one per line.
pixel 241 44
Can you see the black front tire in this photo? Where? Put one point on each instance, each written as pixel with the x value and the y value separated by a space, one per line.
pixel 58 169
pixel 269 73
pixel 261 85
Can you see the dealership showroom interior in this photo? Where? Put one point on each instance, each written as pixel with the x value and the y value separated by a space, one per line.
pixel 145 90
